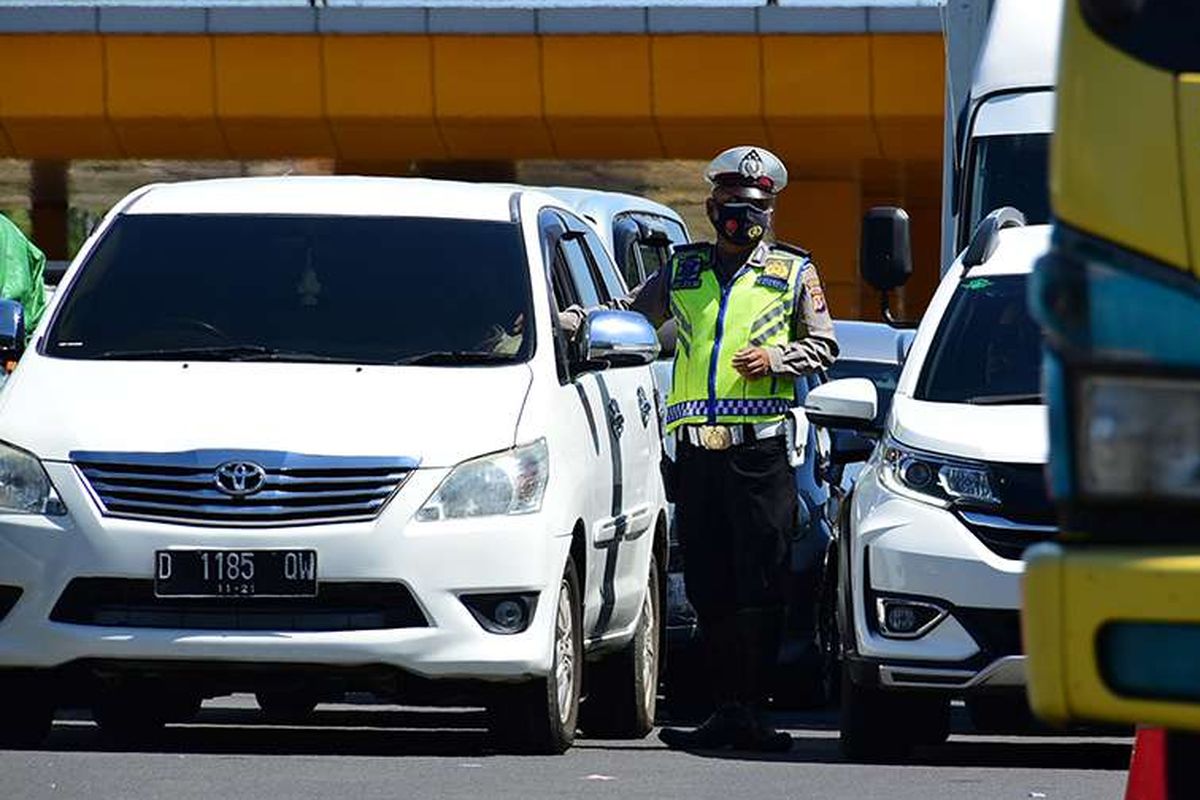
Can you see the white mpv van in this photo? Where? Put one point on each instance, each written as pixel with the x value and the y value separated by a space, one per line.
pixel 306 435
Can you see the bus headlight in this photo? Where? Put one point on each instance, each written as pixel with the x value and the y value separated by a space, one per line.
pixel 1139 438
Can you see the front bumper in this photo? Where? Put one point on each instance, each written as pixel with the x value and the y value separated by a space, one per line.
pixel 903 548
pixel 436 562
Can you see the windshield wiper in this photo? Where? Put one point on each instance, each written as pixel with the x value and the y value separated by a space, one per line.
pixel 439 358
pixel 232 352
pixel 212 352
pixel 1029 398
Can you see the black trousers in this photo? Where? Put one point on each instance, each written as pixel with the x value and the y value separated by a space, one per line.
pixel 735 512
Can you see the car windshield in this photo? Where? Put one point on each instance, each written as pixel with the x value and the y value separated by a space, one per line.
pixel 1011 170
pixel 880 373
pixel 987 350
pixel 378 290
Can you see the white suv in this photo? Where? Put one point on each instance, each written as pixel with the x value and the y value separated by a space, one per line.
pixel 928 557
pixel 304 435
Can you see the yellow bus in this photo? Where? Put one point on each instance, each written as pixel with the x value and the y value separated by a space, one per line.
pixel 1112 610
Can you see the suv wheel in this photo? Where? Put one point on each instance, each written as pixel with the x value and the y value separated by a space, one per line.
pixel 28 714
pixel 878 725
pixel 540 716
pixel 622 692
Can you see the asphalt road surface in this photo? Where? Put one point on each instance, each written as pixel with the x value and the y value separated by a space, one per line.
pixel 351 752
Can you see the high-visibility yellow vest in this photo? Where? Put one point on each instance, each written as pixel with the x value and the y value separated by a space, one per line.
pixel 714 322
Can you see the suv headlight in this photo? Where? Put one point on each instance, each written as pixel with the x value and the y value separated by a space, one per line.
pixel 934 480
pixel 24 486
pixel 1139 438
pixel 512 482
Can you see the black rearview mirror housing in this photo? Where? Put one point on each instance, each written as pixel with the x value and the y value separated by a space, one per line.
pixel 885 256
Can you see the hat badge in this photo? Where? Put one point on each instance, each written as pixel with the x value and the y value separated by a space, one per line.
pixel 751 165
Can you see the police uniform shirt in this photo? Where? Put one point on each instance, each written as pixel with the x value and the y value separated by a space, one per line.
pixel 813 345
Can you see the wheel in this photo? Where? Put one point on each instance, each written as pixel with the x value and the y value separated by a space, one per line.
pixel 1000 713
pixel 27 717
pixel 878 725
pixel 829 645
pixel 287 705
pixel 622 690
pixel 540 716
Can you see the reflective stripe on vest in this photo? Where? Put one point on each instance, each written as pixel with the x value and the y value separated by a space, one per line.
pixel 713 323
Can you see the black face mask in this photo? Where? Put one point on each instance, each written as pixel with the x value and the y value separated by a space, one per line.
pixel 741 223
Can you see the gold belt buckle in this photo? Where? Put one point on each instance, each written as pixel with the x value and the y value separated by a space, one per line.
pixel 715 437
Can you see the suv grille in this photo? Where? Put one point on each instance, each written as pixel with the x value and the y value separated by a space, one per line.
pixel 291 489
pixel 125 603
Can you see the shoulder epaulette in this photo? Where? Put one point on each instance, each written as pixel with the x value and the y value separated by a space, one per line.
pixel 701 249
pixel 792 249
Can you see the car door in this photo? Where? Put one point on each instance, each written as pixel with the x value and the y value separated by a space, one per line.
pixel 627 397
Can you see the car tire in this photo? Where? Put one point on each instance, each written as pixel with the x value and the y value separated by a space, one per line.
pixel 829 644
pixel 622 689
pixel 881 726
pixel 1000 714
pixel 28 715
pixel 540 716
pixel 287 705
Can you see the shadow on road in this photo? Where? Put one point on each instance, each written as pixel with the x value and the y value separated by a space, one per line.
pixel 380 731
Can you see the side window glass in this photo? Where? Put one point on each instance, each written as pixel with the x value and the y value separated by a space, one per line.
pixel 614 285
pixel 576 262
pixel 653 257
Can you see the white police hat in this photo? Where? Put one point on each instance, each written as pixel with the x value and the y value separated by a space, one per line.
pixel 748 167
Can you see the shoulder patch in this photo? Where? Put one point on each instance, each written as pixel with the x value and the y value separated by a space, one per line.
pixel 688 261
pixel 812 284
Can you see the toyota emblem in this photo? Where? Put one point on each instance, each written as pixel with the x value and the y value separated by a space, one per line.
pixel 240 478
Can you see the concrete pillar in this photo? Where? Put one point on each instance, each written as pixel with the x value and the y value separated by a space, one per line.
pixel 48 204
pixel 824 216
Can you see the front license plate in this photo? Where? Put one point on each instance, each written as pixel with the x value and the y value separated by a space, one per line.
pixel 235 573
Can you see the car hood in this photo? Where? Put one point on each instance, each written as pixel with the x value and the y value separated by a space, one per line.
pixel 1011 434
pixel 438 415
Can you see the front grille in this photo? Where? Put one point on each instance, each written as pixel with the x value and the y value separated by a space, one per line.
pixel 124 603
pixel 1004 537
pixel 296 489
pixel 996 631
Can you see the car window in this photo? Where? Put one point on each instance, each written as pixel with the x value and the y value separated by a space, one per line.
pixel 610 279
pixel 653 257
pixel 354 289
pixel 987 350
pixel 884 375
pixel 571 251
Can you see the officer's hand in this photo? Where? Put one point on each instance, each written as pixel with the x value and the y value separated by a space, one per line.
pixel 752 362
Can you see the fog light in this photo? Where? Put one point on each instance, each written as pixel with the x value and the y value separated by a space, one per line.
pixel 906 619
pixel 504 614
pixel 509 614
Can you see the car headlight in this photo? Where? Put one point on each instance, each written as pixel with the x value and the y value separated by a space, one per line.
pixel 24 486
pixel 512 482
pixel 934 480
pixel 1139 437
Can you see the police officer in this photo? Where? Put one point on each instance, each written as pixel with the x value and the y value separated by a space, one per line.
pixel 751 317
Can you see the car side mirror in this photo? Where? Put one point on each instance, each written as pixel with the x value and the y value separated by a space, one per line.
pixel 618 339
pixel 12 331
pixel 885 252
pixel 846 404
